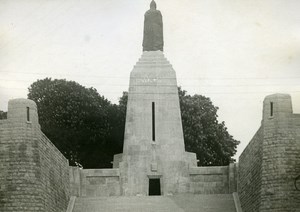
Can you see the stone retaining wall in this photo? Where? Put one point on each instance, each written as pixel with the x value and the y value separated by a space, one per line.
pixel 271 162
pixel 54 168
pixel 213 180
pixel 249 181
pixel 34 174
pixel 95 182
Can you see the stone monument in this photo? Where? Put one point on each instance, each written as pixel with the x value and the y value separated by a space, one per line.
pixel 154 160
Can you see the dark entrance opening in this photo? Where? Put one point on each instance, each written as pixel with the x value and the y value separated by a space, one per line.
pixel 154 187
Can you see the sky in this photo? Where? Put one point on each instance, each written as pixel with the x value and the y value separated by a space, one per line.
pixel 235 52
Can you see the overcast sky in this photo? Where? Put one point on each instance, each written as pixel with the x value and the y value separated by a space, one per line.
pixel 234 51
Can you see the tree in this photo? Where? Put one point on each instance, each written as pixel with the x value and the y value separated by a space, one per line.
pixel 117 117
pixel 203 134
pixel 3 115
pixel 75 119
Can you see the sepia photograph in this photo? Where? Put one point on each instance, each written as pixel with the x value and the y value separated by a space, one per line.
pixel 150 105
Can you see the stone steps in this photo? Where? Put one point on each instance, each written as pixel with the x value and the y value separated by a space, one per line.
pixel 177 203
pixel 152 59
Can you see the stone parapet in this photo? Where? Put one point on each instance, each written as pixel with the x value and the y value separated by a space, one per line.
pixel 213 179
pixel 209 170
pixel 95 182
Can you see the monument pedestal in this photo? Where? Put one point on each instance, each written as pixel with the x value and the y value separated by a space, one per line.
pixel 153 142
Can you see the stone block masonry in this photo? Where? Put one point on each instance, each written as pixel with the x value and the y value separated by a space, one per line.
pixel 107 182
pixel 271 162
pixel 250 163
pixel 213 180
pixel 95 182
pixel 34 175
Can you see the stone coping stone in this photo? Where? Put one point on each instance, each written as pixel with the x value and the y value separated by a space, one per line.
pixel 101 172
pixel 210 170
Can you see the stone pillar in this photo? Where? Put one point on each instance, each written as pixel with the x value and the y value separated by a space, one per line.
pixel 232 177
pixel 23 111
pixel 279 154
pixel 19 158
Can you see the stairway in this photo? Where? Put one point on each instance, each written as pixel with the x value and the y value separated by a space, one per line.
pixel 177 203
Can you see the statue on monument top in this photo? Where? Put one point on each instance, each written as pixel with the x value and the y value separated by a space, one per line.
pixel 153 29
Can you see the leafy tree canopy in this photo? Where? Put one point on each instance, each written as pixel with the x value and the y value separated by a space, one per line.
pixel 203 134
pixel 75 119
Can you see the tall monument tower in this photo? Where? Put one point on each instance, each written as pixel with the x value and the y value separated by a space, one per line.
pixel 154 160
